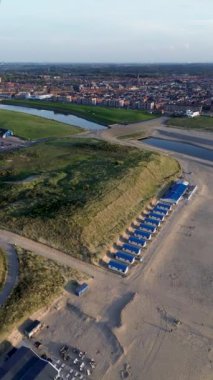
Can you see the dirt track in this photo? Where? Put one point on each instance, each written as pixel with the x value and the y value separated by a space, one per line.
pixel 7 237
pixel 12 272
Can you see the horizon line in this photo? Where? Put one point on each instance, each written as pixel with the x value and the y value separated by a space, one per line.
pixel 106 63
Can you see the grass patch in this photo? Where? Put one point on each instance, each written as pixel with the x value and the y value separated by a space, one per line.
pixel 204 123
pixel 86 191
pixel 40 281
pixel 101 115
pixel 33 127
pixel 3 268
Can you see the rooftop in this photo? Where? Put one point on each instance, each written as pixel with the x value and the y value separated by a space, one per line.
pixel 24 364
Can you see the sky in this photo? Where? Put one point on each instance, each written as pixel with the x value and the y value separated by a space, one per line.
pixel 120 31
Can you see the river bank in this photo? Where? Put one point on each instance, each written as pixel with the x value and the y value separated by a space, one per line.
pixel 54 116
pixel 104 116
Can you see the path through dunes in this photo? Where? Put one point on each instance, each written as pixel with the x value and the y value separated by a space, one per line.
pixel 12 270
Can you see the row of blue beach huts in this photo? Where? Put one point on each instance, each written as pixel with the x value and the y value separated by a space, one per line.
pixel 143 233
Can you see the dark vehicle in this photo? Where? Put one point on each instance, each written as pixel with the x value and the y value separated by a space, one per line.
pixel 37 344
pixel 44 356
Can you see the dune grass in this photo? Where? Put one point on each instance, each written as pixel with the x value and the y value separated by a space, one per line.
pixel 101 115
pixel 33 127
pixel 204 123
pixel 80 193
pixel 40 281
pixel 3 268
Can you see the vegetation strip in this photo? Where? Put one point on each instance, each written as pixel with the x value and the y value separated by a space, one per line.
pixel 33 127
pixel 204 123
pixel 102 115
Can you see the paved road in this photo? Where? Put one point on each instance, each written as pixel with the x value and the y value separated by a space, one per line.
pixel 7 237
pixel 12 272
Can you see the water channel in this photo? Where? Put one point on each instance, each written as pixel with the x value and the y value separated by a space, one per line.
pixel 180 147
pixel 63 118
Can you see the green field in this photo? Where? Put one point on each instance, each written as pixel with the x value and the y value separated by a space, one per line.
pixel 40 281
pixel 202 123
pixel 34 127
pixel 101 115
pixel 78 194
pixel 3 268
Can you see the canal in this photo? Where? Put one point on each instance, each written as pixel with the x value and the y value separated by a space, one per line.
pixel 63 118
pixel 180 147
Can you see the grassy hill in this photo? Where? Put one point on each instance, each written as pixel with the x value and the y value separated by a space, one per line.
pixel 40 281
pixel 34 127
pixel 3 268
pixel 78 194
pixel 204 123
pixel 101 115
